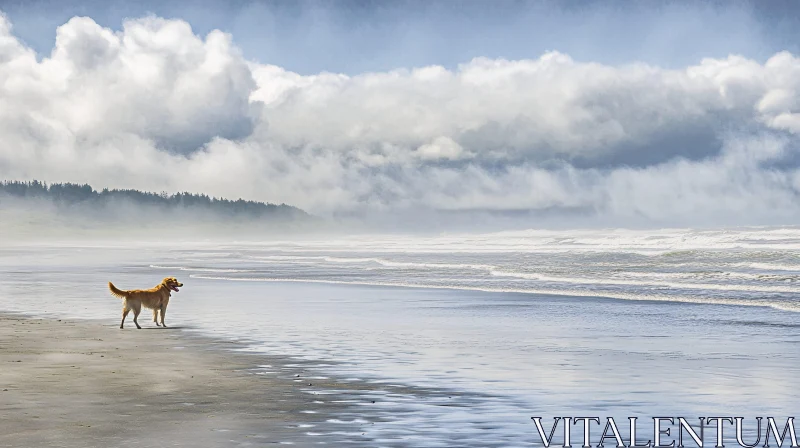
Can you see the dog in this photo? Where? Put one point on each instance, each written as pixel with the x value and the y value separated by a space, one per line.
pixel 155 298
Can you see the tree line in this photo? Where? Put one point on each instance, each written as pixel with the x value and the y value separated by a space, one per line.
pixel 72 194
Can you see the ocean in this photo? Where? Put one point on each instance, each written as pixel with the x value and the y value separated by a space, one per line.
pixel 473 334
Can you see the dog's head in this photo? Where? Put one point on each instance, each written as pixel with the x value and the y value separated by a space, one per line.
pixel 172 283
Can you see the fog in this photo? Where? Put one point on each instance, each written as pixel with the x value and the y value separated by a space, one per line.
pixel 37 212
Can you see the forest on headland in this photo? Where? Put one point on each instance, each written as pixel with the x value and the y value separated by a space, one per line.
pixel 69 194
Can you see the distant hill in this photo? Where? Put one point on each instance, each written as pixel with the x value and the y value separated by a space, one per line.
pixel 68 195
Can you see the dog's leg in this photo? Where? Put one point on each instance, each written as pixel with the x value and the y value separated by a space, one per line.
pixel 136 312
pixel 125 312
pixel 155 317
pixel 163 312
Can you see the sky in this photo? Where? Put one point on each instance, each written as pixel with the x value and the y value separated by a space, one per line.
pixel 657 112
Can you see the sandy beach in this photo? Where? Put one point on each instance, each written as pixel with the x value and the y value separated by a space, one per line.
pixel 84 384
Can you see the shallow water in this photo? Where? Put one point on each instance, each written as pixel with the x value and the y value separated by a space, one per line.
pixel 711 330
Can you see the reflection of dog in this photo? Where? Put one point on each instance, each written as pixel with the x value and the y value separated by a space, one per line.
pixel 155 298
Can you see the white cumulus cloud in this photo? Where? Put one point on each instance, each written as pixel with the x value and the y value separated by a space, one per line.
pixel 156 107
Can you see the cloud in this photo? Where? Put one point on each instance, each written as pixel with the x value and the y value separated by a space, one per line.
pixel 156 107
pixel 155 80
pixel 442 148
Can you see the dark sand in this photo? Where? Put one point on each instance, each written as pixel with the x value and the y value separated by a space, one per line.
pixel 88 384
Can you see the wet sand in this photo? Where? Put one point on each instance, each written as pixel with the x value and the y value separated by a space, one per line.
pixel 88 384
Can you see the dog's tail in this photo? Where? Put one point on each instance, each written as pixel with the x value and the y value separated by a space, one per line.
pixel 116 291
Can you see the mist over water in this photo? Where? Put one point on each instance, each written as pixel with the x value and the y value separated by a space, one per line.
pixel 41 220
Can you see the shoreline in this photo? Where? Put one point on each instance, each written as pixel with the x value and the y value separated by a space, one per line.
pixel 82 383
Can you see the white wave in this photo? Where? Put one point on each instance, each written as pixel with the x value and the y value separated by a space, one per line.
pixel 776 304
pixel 644 242
pixel 191 269
pixel 379 261
pixel 653 283
pixel 648 278
pixel 415 265
pixel 718 275
pixel 773 266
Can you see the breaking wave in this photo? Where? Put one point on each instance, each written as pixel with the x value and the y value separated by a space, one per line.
pixel 751 266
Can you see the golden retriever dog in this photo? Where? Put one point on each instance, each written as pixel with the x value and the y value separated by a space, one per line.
pixel 155 298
